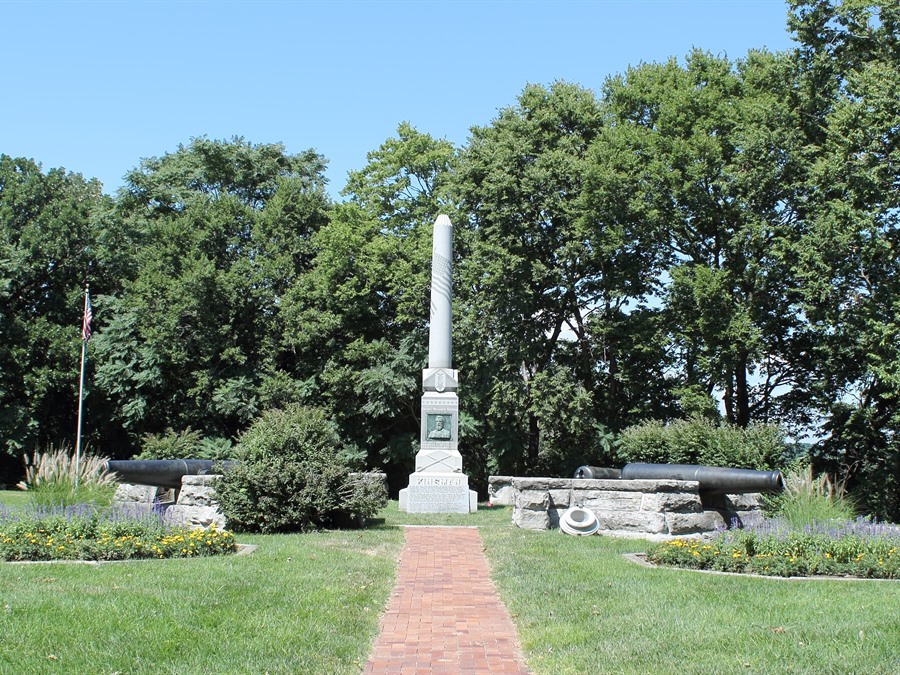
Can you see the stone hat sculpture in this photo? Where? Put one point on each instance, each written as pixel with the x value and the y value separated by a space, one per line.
pixel 579 521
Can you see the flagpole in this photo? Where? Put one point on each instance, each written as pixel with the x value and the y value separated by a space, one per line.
pixel 85 334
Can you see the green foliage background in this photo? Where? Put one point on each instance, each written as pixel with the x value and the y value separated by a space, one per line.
pixel 700 235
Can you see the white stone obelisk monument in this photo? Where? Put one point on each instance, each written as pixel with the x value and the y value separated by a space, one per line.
pixel 439 485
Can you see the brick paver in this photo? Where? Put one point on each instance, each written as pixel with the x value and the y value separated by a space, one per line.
pixel 444 615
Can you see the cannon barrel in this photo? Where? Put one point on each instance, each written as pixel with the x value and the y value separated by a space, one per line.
pixel 163 472
pixel 712 479
pixel 597 472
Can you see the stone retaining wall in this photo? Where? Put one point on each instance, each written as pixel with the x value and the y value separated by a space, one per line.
pixel 653 508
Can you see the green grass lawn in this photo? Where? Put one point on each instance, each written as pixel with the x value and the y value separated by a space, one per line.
pixel 14 498
pixel 580 607
pixel 310 604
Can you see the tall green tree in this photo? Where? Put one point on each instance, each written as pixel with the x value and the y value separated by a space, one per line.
pixel 196 340
pixel 849 51
pixel 547 279
pixel 57 233
pixel 720 159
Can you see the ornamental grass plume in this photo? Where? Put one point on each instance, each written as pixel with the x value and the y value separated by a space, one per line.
pixel 54 477
pixel 808 498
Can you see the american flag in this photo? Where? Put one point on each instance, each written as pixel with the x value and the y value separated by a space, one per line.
pixel 88 316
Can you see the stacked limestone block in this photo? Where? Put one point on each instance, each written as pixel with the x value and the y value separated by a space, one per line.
pixel 655 508
pixel 195 505
pixel 500 491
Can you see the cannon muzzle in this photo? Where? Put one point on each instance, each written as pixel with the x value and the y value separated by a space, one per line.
pixel 712 479
pixel 164 472
pixel 597 472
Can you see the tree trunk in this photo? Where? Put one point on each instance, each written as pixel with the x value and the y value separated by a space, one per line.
pixel 728 398
pixel 742 394
pixel 534 437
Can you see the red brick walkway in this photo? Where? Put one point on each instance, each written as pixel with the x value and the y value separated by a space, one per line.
pixel 444 615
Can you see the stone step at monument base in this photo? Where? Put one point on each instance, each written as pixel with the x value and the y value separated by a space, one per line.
pixel 435 492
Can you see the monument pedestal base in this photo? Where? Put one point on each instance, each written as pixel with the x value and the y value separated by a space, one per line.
pixel 435 492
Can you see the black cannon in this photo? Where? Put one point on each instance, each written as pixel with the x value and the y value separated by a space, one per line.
pixel 597 472
pixel 713 480
pixel 164 472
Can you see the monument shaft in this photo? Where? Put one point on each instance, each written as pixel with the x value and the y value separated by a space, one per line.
pixel 438 484
pixel 439 338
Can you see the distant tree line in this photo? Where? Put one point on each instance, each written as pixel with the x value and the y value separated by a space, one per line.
pixel 713 239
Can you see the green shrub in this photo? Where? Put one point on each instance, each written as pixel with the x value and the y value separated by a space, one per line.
pixel 293 475
pixel 809 499
pixel 187 444
pixel 57 478
pixel 296 431
pixel 701 441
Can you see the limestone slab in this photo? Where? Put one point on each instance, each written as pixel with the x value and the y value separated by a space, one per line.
pixel 532 499
pixel 555 515
pixel 128 493
pixel 562 498
pixel 542 483
pixel 197 490
pixel 437 493
pixel 500 490
pixel 196 516
pixel 532 520
pixel 740 502
pixel 692 523
pixel 678 502
pixel 651 523
pixel 610 501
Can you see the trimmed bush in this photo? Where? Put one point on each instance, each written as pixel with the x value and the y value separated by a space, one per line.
pixel 294 476
pixel 701 441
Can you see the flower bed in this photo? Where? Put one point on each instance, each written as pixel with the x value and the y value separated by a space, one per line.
pixel 861 549
pixel 85 532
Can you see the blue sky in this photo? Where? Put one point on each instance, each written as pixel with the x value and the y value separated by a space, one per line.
pixel 96 86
